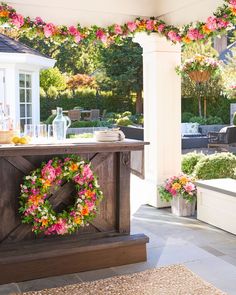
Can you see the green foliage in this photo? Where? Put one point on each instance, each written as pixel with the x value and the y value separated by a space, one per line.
pixel 229 76
pixel 42 92
pixel 50 119
pixel 52 77
pixel 234 119
pixel 125 121
pixel 189 161
pixel 83 135
pixel 186 116
pixel 52 92
pixel 84 124
pixel 198 120
pixel 219 165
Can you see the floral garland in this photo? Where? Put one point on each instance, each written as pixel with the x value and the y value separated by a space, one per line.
pixel 224 19
pixel 178 185
pixel 38 186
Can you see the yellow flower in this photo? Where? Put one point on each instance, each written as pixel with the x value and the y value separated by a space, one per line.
pixel 233 10
pixel 183 180
pixel 44 222
pixel 176 186
pixel 77 220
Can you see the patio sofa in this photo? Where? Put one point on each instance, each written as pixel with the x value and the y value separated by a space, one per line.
pixel 223 138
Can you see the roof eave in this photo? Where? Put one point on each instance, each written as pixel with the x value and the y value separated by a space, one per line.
pixel 26 58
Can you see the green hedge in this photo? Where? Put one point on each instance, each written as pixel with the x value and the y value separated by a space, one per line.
pixel 219 108
pixel 219 165
pixel 87 100
pixel 189 161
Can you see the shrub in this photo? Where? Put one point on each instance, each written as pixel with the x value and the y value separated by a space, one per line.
pixel 84 124
pixel 189 161
pixel 126 114
pixel 186 116
pixel 198 120
pixel 42 92
pixel 52 92
pixel 124 121
pixel 219 165
pixel 50 119
pixel 52 77
pixel 214 120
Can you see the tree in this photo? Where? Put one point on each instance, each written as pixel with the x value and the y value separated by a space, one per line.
pixel 229 76
pixel 123 70
pixel 81 81
pixel 52 77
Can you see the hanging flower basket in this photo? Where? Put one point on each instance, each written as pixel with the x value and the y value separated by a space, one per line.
pixel 199 76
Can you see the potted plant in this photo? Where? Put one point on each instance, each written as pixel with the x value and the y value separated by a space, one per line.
pixel 181 192
pixel 200 69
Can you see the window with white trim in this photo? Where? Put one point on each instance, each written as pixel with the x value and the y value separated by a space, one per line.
pixel 25 80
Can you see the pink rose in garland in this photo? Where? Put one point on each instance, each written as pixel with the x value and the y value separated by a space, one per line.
pixel 101 35
pixel 17 20
pixel 161 27
pixel 173 36
pixel 38 21
pixel 150 25
pixel 131 26
pixel 76 33
pixel 49 30
pixel 118 30
pixel 194 34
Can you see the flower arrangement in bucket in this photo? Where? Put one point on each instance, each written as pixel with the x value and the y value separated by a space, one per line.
pixel 181 192
pixel 199 68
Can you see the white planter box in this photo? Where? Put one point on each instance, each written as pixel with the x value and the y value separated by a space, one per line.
pixel 180 207
pixel 216 203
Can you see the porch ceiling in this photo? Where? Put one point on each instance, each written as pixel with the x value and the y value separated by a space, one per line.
pixel 105 12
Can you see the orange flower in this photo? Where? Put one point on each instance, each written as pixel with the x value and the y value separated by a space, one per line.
pixel 74 167
pixel 46 183
pixel 44 222
pixel 206 29
pixel 89 194
pixel 176 186
pixel 186 40
pixel 233 10
pixel 4 13
pixel 35 200
pixel 85 211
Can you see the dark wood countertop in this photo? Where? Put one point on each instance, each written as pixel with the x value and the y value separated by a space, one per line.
pixel 72 146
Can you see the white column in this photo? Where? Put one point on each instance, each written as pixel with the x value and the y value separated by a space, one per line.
pixel 162 112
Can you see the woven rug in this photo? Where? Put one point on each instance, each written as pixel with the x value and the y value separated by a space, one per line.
pixel 171 280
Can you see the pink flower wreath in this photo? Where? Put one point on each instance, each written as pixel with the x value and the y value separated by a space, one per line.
pixel 37 188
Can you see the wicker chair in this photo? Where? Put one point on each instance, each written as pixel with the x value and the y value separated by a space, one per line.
pixel 223 138
pixel 94 115
pixel 74 115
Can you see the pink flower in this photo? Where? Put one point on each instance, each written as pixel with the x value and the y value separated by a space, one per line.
pixel 161 28
pixel 49 30
pixel 17 20
pixel 222 23
pixel 211 23
pixel 233 3
pixel 194 34
pixel 48 172
pixel 78 37
pixel 72 30
pixel 131 26
pixel 90 205
pixel 189 187
pixel 38 21
pixel 87 172
pixel 100 34
pixel 59 228
pixel 173 192
pixel 150 25
pixel 118 30
pixel 175 37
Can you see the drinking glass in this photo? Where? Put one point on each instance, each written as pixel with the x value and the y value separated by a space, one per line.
pixel 50 133
pixel 29 130
pixel 41 132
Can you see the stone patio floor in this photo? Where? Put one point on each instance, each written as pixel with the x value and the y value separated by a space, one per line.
pixel 206 250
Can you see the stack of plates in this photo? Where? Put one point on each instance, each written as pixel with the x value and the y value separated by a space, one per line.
pixel 109 135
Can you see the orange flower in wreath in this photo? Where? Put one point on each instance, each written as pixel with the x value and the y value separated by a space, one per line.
pixel 85 211
pixel 233 10
pixel 4 13
pixel 74 167
pixel 186 40
pixel 206 30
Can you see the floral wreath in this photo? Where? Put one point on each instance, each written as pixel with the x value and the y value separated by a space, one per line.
pixel 224 19
pixel 37 188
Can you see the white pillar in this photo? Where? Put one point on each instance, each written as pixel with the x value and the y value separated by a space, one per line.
pixel 162 112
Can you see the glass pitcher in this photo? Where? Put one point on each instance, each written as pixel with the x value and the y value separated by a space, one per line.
pixel 60 125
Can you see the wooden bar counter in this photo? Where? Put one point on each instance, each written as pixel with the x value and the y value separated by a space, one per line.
pixel 104 243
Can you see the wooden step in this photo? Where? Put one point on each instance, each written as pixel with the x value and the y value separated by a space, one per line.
pixel 37 260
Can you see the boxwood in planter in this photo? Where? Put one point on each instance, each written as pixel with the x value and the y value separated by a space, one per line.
pixel 219 165
pixel 189 161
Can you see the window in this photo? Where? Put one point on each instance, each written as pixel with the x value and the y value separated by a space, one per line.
pixel 25 81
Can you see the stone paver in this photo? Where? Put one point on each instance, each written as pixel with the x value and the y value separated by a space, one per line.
pixel 206 250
